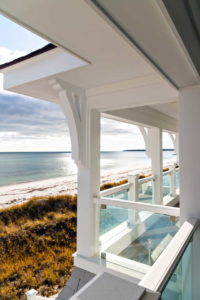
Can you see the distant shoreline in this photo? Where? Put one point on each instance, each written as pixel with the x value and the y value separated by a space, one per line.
pixel 106 151
pixel 143 150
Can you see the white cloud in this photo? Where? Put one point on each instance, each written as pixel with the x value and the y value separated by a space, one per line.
pixel 34 125
pixel 119 136
pixel 9 134
pixel 7 54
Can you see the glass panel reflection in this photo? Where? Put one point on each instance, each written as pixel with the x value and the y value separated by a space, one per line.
pixel 139 236
pixel 179 285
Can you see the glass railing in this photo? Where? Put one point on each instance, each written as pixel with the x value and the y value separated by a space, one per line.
pixel 142 189
pixel 172 275
pixel 111 217
pixel 137 235
pixel 122 195
pixel 137 189
pixel 179 285
pixel 177 178
pixel 134 232
pixel 171 182
pixel 145 191
pixel 167 184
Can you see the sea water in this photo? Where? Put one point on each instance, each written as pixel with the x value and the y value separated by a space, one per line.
pixel 19 167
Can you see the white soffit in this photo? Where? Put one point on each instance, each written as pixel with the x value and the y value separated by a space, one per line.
pixel 75 26
pixel 145 116
pixel 50 63
pixel 148 26
pixel 116 73
pixel 170 109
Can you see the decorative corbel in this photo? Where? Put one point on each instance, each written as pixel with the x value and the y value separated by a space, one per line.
pixel 73 102
pixel 145 135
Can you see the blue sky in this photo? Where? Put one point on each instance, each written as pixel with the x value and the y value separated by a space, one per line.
pixel 15 37
pixel 29 124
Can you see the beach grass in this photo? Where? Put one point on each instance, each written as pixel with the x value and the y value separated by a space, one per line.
pixel 37 240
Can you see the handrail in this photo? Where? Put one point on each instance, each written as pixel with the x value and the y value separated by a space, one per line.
pixel 146 179
pixel 115 189
pixel 167 172
pixel 155 208
pixel 135 182
pixel 164 266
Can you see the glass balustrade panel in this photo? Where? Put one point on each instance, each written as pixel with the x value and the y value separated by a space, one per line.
pixel 179 285
pixel 166 185
pixel 138 236
pixel 177 178
pixel 122 195
pixel 145 192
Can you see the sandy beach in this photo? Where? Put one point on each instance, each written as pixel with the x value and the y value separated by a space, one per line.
pixel 19 193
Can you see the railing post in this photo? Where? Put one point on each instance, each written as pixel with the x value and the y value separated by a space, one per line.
pixel 173 181
pixel 31 294
pixel 133 191
pixel 133 196
pixel 155 136
pixel 154 189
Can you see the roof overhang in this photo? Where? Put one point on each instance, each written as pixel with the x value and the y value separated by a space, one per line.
pixel 29 75
pixel 115 73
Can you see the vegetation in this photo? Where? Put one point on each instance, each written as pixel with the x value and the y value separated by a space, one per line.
pixel 37 240
pixel 109 185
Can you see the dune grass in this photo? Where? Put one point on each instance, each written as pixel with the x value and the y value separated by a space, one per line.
pixel 37 240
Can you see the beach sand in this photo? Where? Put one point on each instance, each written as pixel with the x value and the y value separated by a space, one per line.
pixel 19 193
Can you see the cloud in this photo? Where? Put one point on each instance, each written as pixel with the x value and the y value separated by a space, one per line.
pixel 112 127
pixel 29 124
pixel 7 54
pixel 30 117
pixel 120 136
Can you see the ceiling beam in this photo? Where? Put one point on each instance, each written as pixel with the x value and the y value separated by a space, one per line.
pixel 145 116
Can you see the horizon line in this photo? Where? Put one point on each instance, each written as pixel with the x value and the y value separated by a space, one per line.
pixel 64 151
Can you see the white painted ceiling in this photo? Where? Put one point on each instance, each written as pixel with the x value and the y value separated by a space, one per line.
pixel 170 109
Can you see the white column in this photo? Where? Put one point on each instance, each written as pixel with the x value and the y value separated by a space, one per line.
pixel 175 141
pixel 84 127
pixel 155 142
pixel 189 136
pixel 173 181
pixel 177 146
pixel 88 187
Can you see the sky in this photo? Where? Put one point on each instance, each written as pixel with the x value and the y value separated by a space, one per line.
pixel 28 124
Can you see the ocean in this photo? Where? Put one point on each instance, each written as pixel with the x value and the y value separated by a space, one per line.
pixel 20 167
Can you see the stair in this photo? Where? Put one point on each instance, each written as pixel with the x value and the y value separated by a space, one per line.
pixel 77 280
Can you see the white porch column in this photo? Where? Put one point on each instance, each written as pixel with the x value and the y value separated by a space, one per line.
pixel 84 127
pixel 155 142
pixel 176 146
pixel 88 187
pixel 175 141
pixel 189 131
